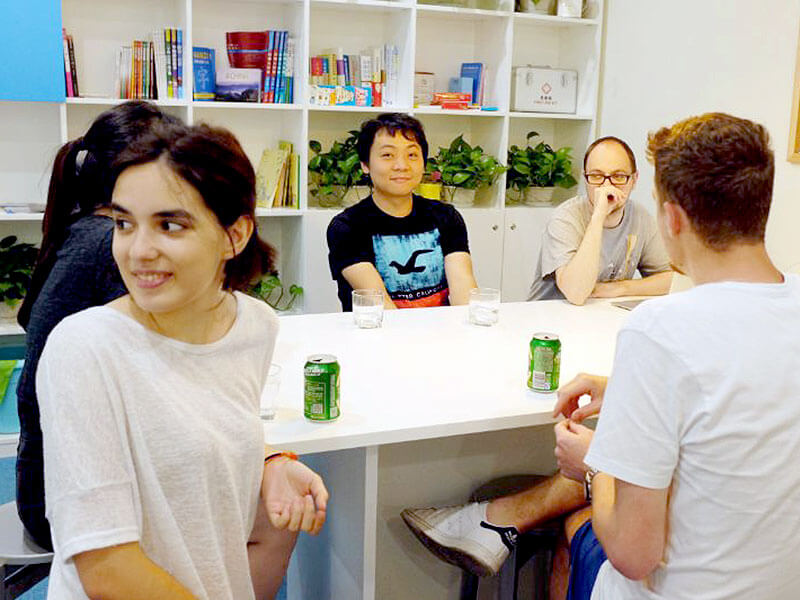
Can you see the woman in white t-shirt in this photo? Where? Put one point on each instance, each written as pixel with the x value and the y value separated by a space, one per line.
pixel 155 465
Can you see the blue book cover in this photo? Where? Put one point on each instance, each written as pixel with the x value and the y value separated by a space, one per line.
pixel 280 80
pixel 267 74
pixel 179 50
pixel 474 71
pixel 203 64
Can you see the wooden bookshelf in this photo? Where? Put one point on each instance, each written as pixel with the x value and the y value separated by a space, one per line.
pixel 430 37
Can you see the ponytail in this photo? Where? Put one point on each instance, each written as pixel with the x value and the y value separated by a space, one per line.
pixel 61 206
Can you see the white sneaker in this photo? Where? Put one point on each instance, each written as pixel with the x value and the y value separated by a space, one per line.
pixel 461 536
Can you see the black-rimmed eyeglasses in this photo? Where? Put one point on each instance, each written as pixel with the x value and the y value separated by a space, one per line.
pixel 600 178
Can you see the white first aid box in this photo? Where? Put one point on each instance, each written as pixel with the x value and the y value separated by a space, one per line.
pixel 541 89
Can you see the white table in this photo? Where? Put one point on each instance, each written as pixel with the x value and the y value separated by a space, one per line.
pixel 431 407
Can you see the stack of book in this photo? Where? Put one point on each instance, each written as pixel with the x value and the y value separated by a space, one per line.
pixel 338 78
pixel 278 177
pixel 151 69
pixel 70 70
pixel 270 51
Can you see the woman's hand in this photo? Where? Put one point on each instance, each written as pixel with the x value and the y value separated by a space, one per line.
pixel 294 496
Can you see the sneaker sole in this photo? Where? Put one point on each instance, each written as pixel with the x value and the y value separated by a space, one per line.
pixel 451 555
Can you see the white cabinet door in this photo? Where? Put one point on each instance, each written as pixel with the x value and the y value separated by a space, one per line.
pixel 485 230
pixel 522 233
pixel 319 288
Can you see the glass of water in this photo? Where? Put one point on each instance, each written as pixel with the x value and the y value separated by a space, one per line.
pixel 484 306
pixel 270 392
pixel 368 308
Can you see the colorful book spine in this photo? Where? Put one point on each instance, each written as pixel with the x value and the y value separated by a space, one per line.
pixel 179 53
pixel 168 55
pixel 174 51
pixel 67 70
pixel 73 66
pixel 289 69
pixel 280 82
pixel 273 67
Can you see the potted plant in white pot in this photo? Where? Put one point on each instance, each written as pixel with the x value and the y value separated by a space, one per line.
pixel 336 177
pixel 534 172
pixel 463 169
pixel 547 7
pixel 16 267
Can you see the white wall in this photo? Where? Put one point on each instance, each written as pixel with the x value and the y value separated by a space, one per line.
pixel 668 60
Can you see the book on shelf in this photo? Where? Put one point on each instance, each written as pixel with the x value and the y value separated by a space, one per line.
pixel 277 177
pixel 70 66
pixel 204 70
pixel 150 69
pixel 339 78
pixel 477 73
pixel 268 51
pixel 238 85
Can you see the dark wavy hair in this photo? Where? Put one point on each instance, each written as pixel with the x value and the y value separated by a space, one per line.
pixel 212 161
pixel 410 127
pixel 80 184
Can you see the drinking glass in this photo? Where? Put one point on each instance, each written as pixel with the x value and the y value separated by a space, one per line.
pixel 270 392
pixel 368 308
pixel 484 306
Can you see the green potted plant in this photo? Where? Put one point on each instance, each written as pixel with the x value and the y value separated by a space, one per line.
pixel 538 6
pixel 336 176
pixel 16 267
pixel 534 172
pixel 270 289
pixel 463 169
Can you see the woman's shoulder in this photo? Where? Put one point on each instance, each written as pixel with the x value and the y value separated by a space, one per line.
pixel 257 313
pixel 86 331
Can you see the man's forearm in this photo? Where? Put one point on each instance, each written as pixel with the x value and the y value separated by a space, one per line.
pixel 577 278
pixel 126 573
pixel 653 285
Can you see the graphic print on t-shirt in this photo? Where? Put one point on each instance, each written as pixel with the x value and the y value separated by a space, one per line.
pixel 412 268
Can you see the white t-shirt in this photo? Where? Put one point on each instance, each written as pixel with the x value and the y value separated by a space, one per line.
pixel 705 397
pixel 154 440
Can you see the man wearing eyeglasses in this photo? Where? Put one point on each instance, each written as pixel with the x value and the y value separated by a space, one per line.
pixel 594 243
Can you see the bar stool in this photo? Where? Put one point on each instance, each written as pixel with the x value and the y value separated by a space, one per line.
pixel 29 563
pixel 537 545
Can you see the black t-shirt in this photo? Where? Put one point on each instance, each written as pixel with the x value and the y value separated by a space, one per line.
pixel 408 252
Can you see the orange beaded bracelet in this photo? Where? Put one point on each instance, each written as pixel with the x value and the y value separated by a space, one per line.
pixel 289 455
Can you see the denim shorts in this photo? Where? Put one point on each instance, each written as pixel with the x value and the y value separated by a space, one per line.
pixel 586 556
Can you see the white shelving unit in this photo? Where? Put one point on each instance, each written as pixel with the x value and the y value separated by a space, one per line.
pixel 429 37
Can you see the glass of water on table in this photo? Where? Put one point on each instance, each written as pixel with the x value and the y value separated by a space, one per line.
pixel 484 306
pixel 368 308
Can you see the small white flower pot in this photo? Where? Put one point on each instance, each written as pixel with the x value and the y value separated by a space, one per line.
pixel 355 194
pixel 539 196
pixel 458 196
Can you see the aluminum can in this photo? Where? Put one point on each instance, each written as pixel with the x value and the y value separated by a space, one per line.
pixel 321 388
pixel 544 362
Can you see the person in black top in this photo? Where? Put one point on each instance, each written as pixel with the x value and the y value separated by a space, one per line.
pixel 413 249
pixel 74 271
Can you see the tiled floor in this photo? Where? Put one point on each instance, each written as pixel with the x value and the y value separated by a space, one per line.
pixel 7 494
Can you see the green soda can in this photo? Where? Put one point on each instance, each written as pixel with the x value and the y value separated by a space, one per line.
pixel 544 362
pixel 321 388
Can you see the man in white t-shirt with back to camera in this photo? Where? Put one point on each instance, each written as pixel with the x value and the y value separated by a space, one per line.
pixel 594 244
pixel 692 472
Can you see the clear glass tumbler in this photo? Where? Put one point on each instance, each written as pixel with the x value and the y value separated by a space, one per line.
pixel 270 392
pixel 368 308
pixel 484 306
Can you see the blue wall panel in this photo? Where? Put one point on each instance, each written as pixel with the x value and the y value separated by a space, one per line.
pixel 31 51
